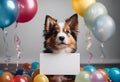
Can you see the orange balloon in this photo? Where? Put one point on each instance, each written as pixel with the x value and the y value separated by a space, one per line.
pixel 104 73
pixel 6 77
pixel 40 78
pixel 0 78
pixel 35 73
pixel 81 69
pixel 27 66
pixel 27 77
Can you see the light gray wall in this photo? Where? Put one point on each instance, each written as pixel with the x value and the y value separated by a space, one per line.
pixel 31 33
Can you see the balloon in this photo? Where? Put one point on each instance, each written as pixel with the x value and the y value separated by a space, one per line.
pixel 6 77
pixel 8 12
pixel 19 78
pixel 35 73
pixel 89 68
pixel 30 72
pixel 114 74
pixel 109 80
pixel 103 28
pixel 93 12
pixel 104 73
pixel 1 72
pixel 20 72
pixel 79 6
pixel 40 78
pixel 27 77
pixel 0 78
pixel 81 69
pixel 107 70
pixel 83 76
pixel 27 66
pixel 28 9
pixel 35 65
pixel 97 76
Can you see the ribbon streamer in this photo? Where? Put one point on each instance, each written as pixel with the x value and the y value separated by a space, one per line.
pixel 102 52
pixel 17 43
pixel 7 56
pixel 16 25
pixel 89 44
pixel 90 58
pixel 88 40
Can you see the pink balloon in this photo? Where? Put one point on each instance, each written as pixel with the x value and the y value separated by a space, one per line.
pixel 19 78
pixel 97 76
pixel 28 9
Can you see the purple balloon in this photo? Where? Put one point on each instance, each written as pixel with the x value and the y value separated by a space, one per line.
pixel 97 76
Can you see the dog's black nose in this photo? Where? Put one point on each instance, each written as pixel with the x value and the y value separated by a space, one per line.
pixel 61 38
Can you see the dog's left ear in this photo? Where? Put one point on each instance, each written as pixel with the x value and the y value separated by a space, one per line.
pixel 73 23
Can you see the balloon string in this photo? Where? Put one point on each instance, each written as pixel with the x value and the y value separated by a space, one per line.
pixel 102 52
pixel 7 57
pixel 90 58
pixel 89 44
pixel 17 42
pixel 16 25
pixel 88 40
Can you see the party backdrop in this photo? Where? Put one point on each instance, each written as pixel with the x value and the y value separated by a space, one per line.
pixel 31 33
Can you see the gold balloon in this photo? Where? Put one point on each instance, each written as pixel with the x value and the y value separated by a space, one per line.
pixel 75 6
pixel 35 73
pixel 79 6
pixel 6 77
pixel 40 78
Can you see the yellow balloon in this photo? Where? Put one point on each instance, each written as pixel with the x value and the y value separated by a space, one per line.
pixel 40 78
pixel 79 6
pixel 75 6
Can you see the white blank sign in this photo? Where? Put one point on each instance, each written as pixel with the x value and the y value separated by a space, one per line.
pixel 60 64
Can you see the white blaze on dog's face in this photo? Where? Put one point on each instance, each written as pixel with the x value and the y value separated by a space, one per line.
pixel 61 36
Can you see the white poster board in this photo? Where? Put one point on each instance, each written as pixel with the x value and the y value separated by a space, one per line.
pixel 60 64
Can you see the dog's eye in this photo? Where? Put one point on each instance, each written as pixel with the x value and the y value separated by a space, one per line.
pixel 67 31
pixel 55 32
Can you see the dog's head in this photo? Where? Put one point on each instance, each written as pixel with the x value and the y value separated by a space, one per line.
pixel 61 36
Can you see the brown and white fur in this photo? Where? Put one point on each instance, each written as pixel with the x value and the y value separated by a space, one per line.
pixel 61 37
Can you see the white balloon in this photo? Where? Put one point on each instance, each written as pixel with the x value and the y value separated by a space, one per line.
pixel 93 12
pixel 103 28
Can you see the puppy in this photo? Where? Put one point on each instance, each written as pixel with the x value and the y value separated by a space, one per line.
pixel 61 37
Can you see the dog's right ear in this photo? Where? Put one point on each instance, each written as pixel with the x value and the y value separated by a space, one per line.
pixel 49 23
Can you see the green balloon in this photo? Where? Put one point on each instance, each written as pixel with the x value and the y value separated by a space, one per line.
pixel 83 76
pixel 93 12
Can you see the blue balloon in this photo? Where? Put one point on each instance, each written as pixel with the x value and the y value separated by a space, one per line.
pixel 30 72
pixel 20 72
pixel 107 70
pixel 35 65
pixel 89 68
pixel 103 28
pixel 8 12
pixel 1 72
pixel 114 74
